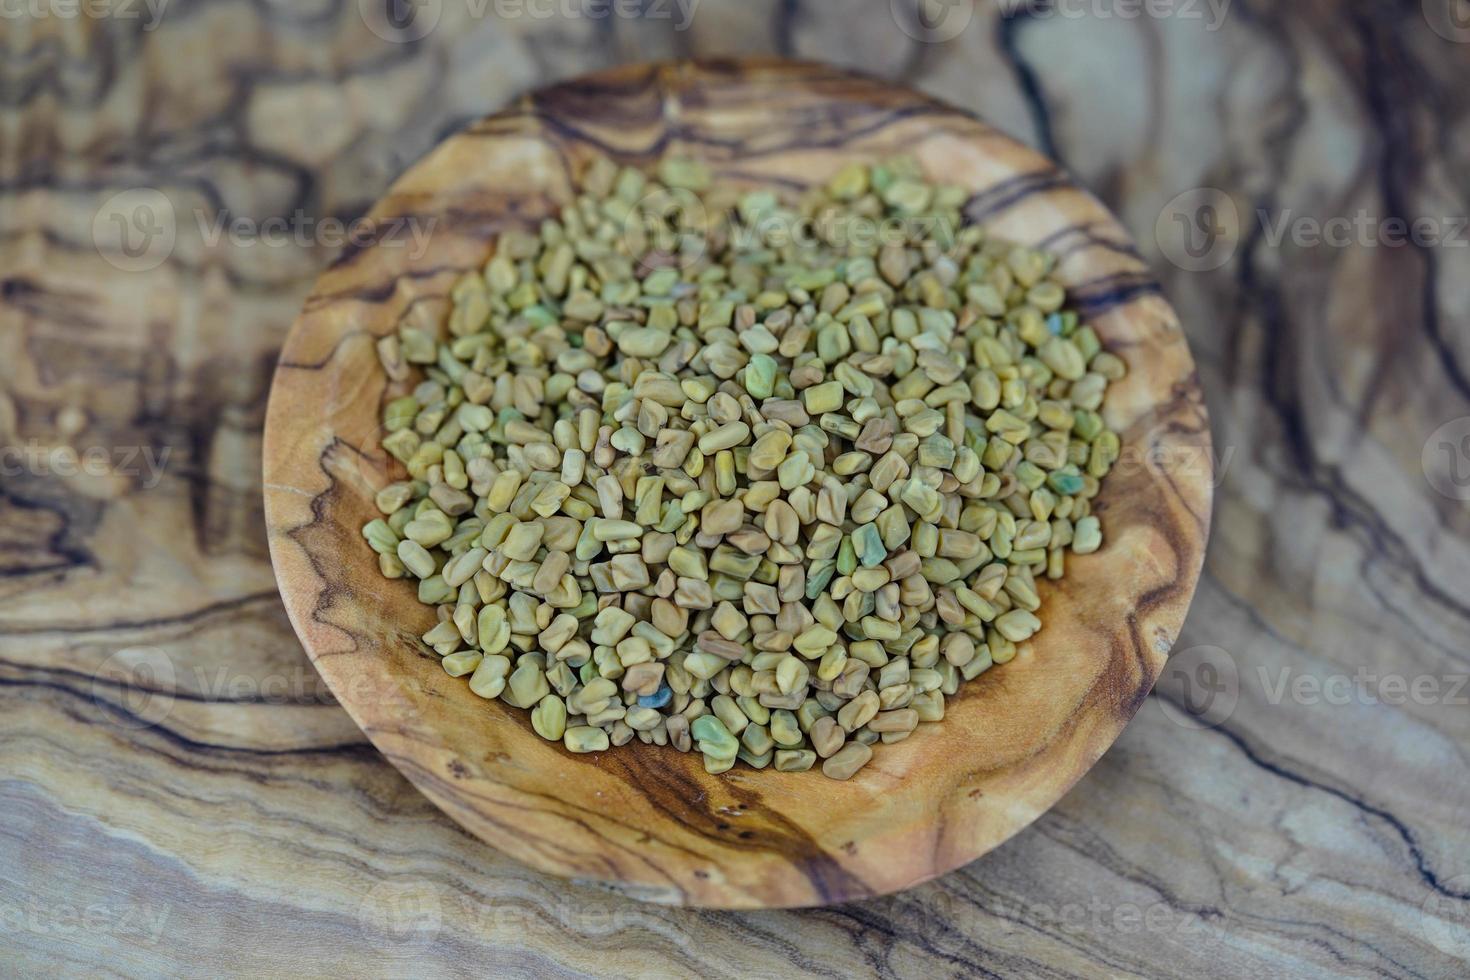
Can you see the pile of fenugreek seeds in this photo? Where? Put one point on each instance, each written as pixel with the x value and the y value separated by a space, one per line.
pixel 763 475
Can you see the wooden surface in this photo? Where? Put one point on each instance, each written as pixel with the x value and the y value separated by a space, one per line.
pixel 648 821
pixel 242 822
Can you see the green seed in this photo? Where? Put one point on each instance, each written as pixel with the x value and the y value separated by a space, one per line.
pixel 823 398
pixel 760 376
pixel 585 738
pixel 526 686
pixel 549 718
pixel 464 662
pixel 1086 536
pixel 714 738
pixel 868 545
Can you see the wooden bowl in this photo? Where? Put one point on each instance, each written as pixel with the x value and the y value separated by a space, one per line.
pixel 645 820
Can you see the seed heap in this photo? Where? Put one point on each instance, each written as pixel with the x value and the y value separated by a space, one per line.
pixel 767 478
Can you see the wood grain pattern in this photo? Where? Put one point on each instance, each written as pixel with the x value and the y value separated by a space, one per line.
pixel 648 821
pixel 1293 836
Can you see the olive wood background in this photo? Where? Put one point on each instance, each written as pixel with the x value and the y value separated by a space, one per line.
pixel 236 819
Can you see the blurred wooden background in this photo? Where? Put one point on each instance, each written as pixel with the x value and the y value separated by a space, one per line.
pixel 180 794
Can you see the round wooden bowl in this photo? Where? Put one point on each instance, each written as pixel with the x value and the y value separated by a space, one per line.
pixel 645 820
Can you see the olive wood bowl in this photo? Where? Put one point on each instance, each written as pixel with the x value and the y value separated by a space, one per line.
pixel 646 820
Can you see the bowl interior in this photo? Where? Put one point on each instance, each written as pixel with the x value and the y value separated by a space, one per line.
pixel 649 820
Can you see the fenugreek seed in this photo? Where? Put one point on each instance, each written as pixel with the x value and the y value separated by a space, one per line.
pixel 785 729
pixel 795 760
pixel 821 398
pixel 1086 536
pixel 859 711
pixel 416 559
pixel 903 720
pixel 1017 625
pixel 489 677
pixel 464 662
pixel 585 738
pixel 521 542
pixel 549 718
pixel 847 761
pixel 868 546
pixel 526 686
pixel 827 736
pixel 611 530
pixel 814 641
pixel 725 437
pixel 713 738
